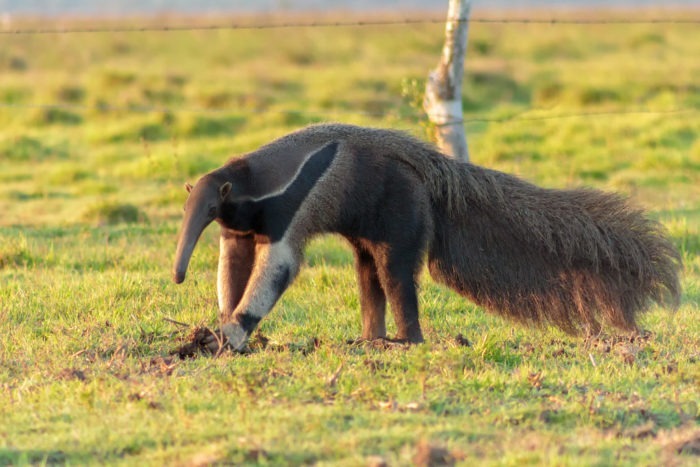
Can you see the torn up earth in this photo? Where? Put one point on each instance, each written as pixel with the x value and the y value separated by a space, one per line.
pixel 196 343
pixel 199 338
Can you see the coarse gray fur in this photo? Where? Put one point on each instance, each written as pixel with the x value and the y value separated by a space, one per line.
pixel 572 258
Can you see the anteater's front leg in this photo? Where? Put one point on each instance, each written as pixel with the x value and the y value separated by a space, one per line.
pixel 276 265
pixel 236 259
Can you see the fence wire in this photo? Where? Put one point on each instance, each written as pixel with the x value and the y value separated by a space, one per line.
pixel 329 24
pixel 519 116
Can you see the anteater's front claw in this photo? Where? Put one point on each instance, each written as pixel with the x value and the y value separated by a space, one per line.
pixel 215 342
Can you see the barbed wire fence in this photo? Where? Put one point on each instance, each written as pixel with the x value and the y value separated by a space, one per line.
pixel 521 115
pixel 329 24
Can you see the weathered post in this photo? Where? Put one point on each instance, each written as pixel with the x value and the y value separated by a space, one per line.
pixel 443 91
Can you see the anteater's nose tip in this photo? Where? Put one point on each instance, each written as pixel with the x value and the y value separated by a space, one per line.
pixel 179 277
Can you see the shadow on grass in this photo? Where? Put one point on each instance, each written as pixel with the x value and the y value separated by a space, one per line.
pixel 208 127
pixel 486 87
pixel 9 456
pixel 17 195
pixel 31 149
pixel 242 455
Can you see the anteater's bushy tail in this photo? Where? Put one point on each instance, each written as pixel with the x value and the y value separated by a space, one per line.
pixel 571 258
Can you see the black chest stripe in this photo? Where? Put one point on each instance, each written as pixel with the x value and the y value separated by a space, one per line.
pixel 271 216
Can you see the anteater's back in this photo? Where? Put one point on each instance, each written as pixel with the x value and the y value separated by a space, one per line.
pixel 572 258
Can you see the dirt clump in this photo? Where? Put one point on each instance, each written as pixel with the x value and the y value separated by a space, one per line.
pixel 72 373
pixel 199 342
pixel 690 446
pixel 431 455
pixel 160 366
pixel 195 343
pixel 462 341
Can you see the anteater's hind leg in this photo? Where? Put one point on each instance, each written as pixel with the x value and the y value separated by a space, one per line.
pixel 372 297
pixel 397 269
pixel 236 259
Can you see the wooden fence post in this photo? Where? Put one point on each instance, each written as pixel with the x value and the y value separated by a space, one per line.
pixel 443 91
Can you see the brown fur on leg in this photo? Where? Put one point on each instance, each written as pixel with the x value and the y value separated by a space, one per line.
pixel 372 298
pixel 236 259
pixel 397 270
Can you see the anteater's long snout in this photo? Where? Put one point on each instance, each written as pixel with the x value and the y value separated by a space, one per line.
pixel 192 227
pixel 185 247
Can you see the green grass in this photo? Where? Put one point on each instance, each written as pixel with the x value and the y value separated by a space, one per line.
pixel 91 198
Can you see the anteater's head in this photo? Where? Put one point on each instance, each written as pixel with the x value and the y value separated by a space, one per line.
pixel 203 205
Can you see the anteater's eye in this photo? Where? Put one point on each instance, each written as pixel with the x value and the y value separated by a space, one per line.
pixel 212 211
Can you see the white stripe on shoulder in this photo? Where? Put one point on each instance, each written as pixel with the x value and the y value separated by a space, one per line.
pixel 281 189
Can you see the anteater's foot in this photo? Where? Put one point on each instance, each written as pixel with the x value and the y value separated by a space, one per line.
pixel 359 341
pixel 231 336
pixel 381 342
pixel 201 340
pixel 366 340
pixel 215 342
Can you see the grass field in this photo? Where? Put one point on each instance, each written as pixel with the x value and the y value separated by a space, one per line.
pixel 99 132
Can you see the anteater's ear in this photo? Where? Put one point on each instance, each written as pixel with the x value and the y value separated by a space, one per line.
pixel 225 189
pixel 188 187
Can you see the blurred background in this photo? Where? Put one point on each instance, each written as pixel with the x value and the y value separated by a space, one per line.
pixel 106 108
pixel 120 7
